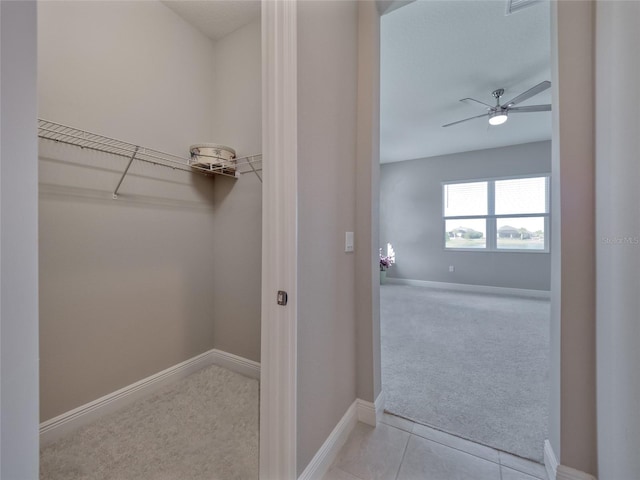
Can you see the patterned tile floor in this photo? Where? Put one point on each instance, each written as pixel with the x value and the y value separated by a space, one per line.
pixel 399 449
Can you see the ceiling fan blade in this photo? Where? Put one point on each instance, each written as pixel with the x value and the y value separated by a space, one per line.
pixel 468 100
pixel 530 108
pixel 541 87
pixel 466 119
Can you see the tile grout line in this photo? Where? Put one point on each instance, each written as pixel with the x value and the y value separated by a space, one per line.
pixel 460 450
pixel 349 473
pixel 449 446
pixel 398 428
pixel 498 452
pixel 404 452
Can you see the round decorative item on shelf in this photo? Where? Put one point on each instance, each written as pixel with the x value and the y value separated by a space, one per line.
pixel 214 157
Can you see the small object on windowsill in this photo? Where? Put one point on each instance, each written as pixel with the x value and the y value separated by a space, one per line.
pixel 386 261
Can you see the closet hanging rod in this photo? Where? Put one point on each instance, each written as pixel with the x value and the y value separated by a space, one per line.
pixel 84 139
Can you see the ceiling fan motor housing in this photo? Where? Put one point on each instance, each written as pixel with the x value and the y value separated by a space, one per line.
pixel 498 93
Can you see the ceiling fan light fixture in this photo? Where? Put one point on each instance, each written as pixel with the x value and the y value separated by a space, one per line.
pixel 498 118
pixel 498 114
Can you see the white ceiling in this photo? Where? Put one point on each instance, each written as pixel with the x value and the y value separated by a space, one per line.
pixel 436 52
pixel 216 18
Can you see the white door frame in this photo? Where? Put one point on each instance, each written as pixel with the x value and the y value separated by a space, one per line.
pixel 19 241
pixel 279 241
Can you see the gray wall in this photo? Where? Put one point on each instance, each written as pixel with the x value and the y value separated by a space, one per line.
pixel 172 268
pixel 237 234
pixel 617 236
pixel 411 218
pixel 18 243
pixel 573 353
pixel 327 81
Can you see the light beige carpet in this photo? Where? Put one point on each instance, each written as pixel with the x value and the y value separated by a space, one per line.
pixel 474 365
pixel 202 427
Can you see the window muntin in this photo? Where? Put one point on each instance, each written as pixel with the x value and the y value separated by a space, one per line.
pixel 497 215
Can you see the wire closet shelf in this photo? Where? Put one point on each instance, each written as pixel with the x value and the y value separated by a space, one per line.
pixel 81 138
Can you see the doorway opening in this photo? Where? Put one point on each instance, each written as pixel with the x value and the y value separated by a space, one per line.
pixel 465 203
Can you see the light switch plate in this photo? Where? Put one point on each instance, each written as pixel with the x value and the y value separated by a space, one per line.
pixel 348 242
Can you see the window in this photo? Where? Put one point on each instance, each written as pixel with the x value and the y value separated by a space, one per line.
pixel 497 215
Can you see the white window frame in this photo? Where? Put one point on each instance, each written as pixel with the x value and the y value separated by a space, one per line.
pixel 491 218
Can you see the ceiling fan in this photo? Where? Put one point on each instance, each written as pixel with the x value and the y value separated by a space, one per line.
pixel 498 114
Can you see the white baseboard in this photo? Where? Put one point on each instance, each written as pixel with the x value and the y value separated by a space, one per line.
pixel 379 406
pixel 568 473
pixel 237 364
pixel 58 426
pixel 550 460
pixel 555 471
pixel 359 411
pixel 463 287
pixel 324 457
pixel 370 413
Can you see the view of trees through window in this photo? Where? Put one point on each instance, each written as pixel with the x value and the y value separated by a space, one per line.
pixel 510 214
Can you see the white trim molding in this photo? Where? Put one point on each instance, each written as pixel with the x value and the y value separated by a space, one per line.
pixel 555 471
pixel 368 412
pixel 568 473
pixel 463 287
pixel 324 457
pixel 550 460
pixel 56 427
pixel 237 364
pixel 278 398
pixel 379 406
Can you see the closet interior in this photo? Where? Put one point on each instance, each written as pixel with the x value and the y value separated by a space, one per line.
pixel 149 238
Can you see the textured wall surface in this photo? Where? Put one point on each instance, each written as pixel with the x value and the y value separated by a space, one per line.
pixel 237 235
pixel 327 80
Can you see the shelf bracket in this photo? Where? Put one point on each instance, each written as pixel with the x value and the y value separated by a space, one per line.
pixel 255 171
pixel 124 174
